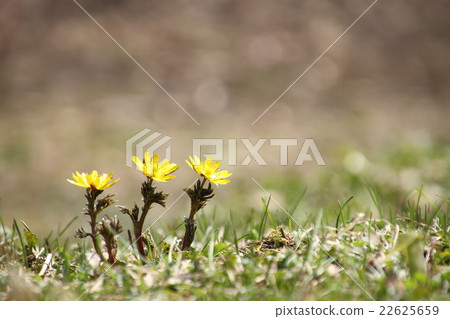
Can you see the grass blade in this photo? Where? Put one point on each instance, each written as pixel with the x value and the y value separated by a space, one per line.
pixel 24 253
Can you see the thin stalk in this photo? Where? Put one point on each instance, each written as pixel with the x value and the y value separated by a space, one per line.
pixel 139 239
pixel 91 196
pixel 139 224
pixel 197 202
pixel 94 237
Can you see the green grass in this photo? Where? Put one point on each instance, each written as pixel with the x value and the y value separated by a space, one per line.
pixel 348 236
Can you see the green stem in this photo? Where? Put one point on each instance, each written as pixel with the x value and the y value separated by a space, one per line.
pixel 91 196
pixel 189 223
pixel 139 237
pixel 94 238
pixel 189 235
pixel 139 225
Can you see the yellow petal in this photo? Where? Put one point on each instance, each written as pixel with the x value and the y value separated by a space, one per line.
pixel 138 163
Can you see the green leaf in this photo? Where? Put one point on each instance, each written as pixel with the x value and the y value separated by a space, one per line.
pixel 218 248
pixel 31 238
pixel 359 243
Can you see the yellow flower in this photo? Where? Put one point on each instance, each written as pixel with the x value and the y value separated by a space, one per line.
pixel 93 181
pixel 209 170
pixel 154 170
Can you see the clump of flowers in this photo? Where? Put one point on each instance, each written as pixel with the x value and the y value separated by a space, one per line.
pixel 154 171
pixel 95 184
pixel 200 194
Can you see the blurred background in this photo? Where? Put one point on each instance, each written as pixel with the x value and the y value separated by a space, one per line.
pixel 376 104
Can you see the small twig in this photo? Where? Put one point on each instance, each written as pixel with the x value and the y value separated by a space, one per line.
pixel 46 265
pixel 40 252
